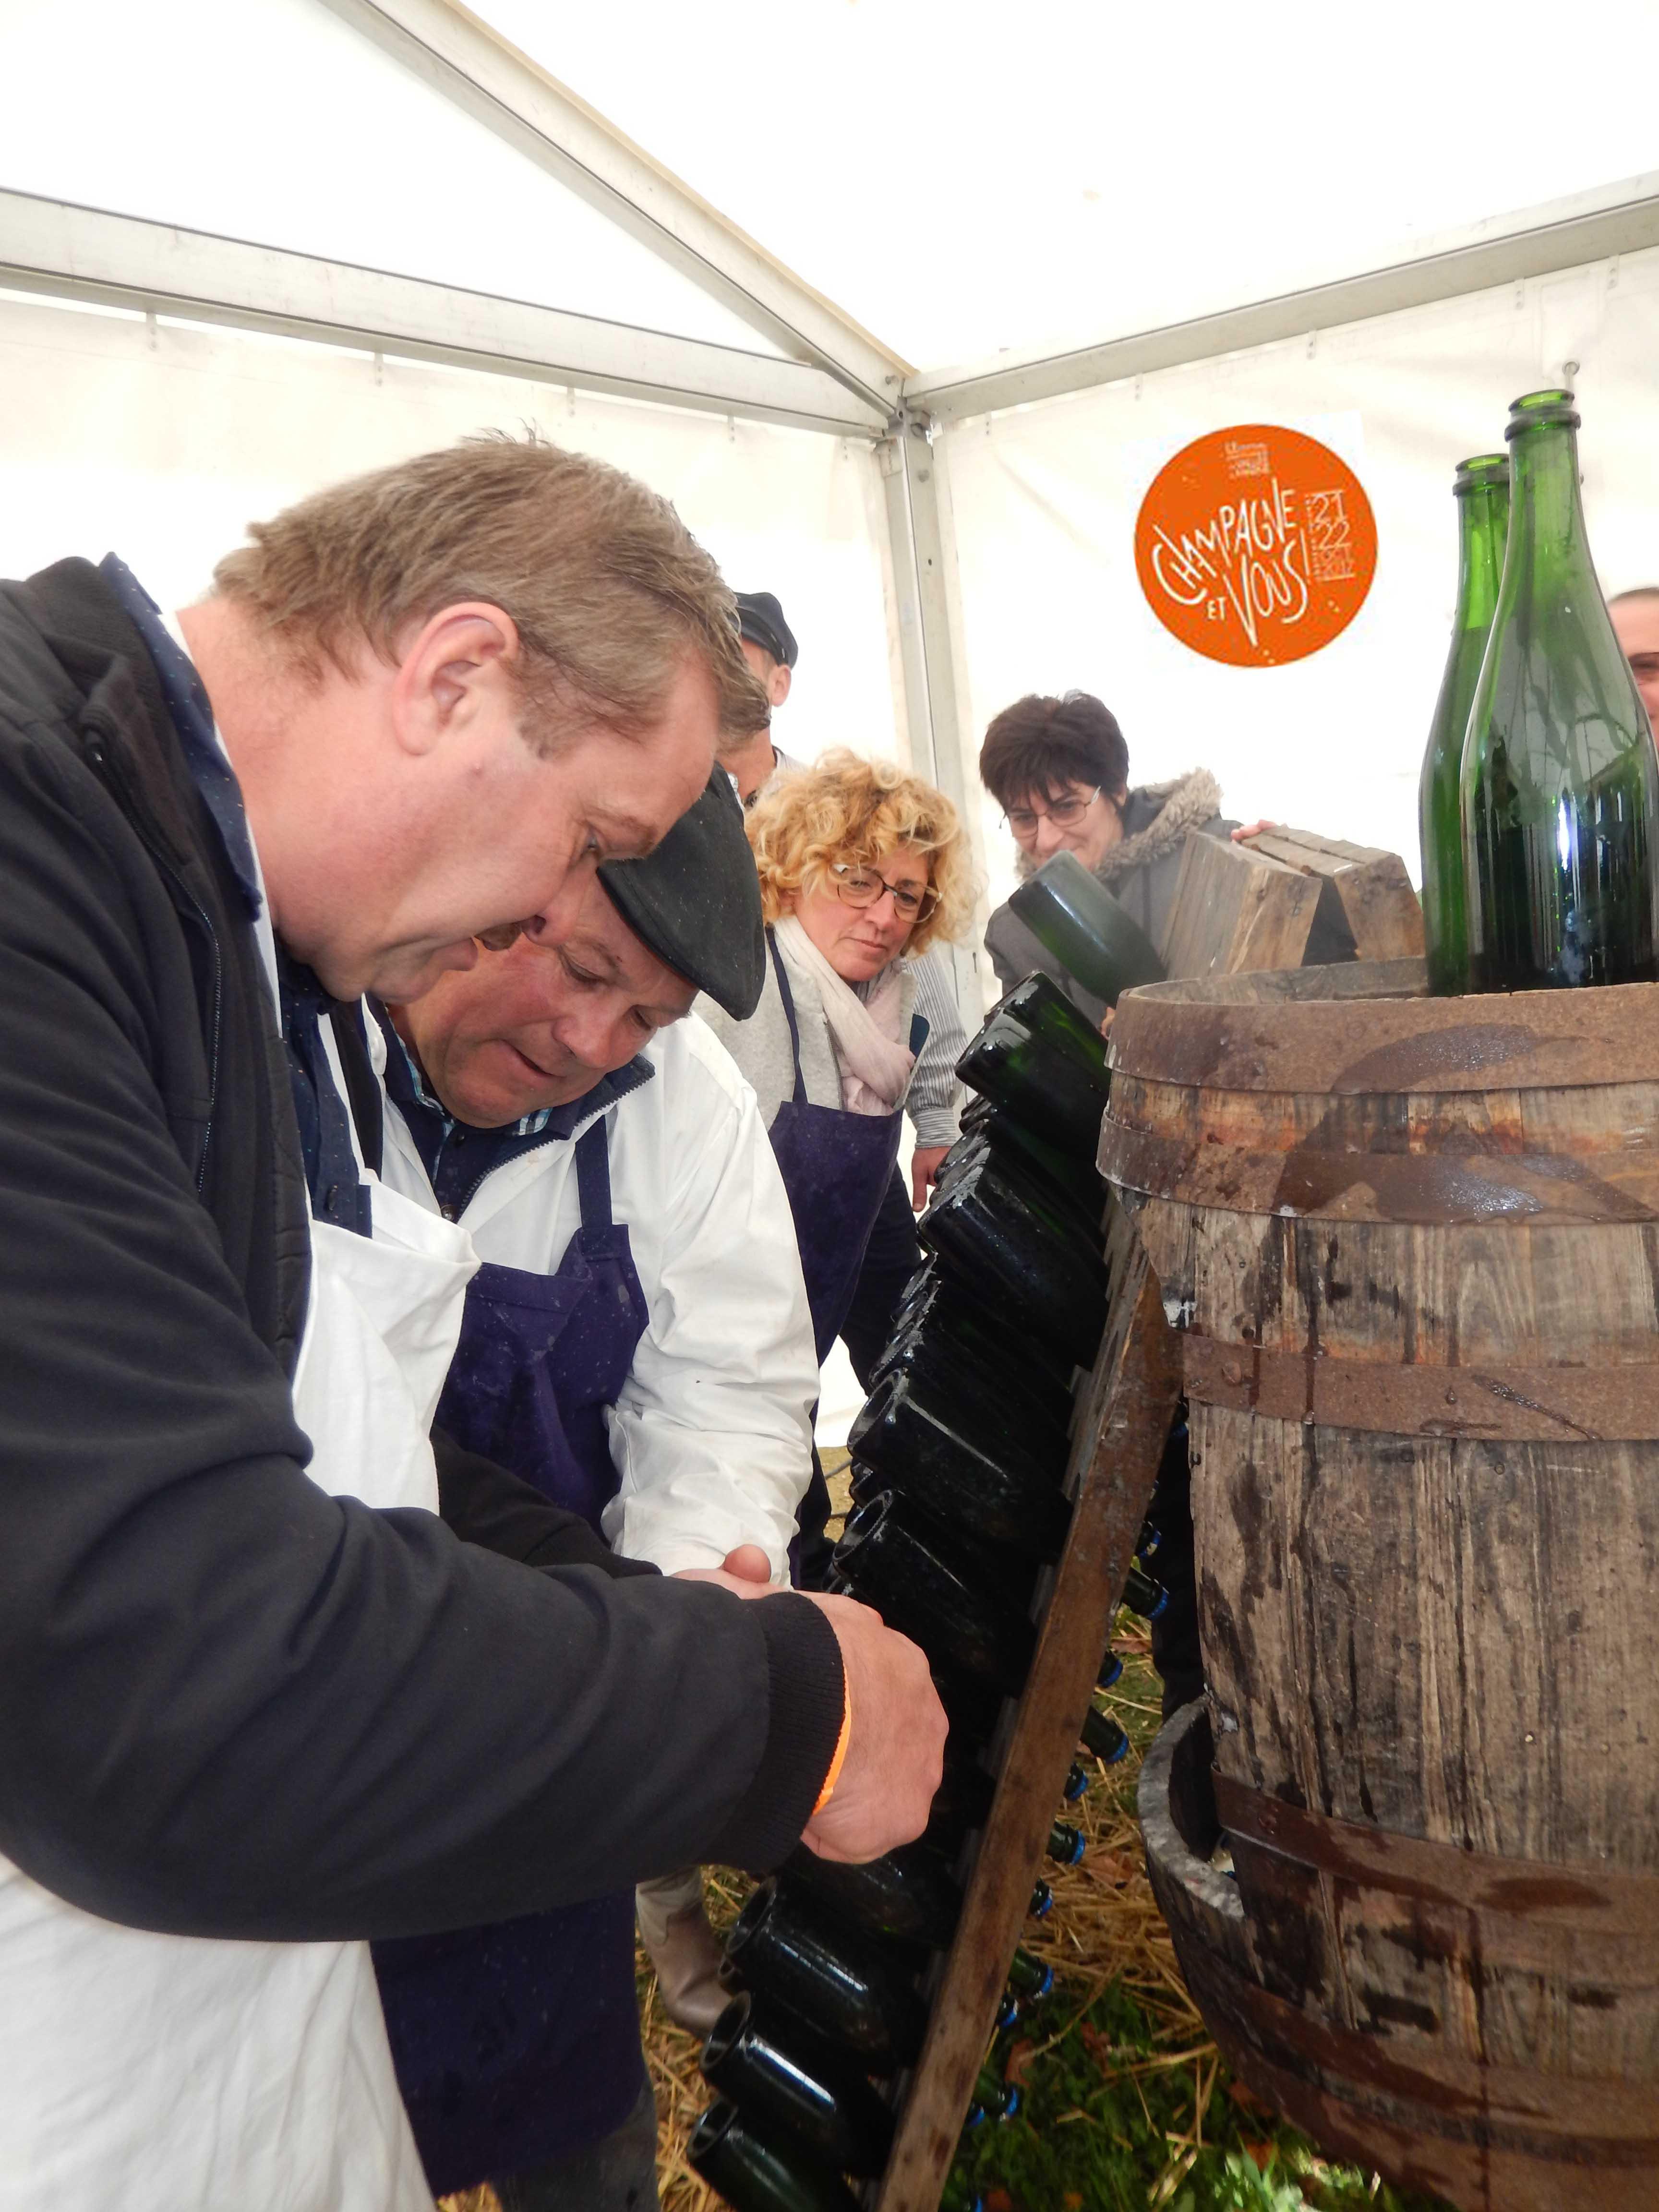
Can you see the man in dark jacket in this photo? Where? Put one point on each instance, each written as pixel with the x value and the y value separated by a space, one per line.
pixel 234 1708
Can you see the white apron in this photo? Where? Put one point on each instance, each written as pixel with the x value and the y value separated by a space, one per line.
pixel 145 2073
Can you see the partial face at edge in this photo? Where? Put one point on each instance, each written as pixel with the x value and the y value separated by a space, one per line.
pixel 539 1024
pixel 1636 625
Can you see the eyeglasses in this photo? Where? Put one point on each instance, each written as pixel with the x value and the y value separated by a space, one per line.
pixel 864 887
pixel 1064 813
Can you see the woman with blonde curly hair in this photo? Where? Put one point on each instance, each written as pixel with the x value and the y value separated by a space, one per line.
pixel 862 866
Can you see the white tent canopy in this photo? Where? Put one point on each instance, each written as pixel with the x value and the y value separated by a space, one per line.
pixel 245 249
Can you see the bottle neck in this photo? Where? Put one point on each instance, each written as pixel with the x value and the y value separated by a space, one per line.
pixel 1482 516
pixel 1547 541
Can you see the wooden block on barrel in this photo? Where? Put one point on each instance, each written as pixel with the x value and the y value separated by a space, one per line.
pixel 1234 908
pixel 1367 910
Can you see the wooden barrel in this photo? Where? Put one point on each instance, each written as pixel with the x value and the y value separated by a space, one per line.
pixel 1414 1245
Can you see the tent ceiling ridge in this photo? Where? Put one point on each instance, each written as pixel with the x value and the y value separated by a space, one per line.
pixel 57 249
pixel 1566 241
pixel 461 57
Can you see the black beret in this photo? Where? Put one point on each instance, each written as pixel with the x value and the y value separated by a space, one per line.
pixel 760 619
pixel 696 901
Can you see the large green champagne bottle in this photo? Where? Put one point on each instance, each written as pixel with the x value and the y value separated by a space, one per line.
pixel 1560 783
pixel 1482 491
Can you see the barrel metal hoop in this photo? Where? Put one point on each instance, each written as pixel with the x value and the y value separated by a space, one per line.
pixel 1599 2120
pixel 1543 1892
pixel 1617 1404
pixel 1434 1190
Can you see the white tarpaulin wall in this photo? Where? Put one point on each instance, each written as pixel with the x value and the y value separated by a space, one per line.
pixel 1044 500
pixel 162 441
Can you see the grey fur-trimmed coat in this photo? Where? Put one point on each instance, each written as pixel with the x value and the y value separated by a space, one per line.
pixel 1140 871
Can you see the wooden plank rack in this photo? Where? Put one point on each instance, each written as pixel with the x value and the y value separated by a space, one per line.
pixel 1123 1417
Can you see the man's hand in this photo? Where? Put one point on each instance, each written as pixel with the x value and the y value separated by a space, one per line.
pixel 746 1573
pixel 924 1170
pixel 895 1752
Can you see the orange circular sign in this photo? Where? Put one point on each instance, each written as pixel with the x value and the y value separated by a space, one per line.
pixel 1255 545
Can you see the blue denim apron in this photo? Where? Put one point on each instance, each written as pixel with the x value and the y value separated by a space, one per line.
pixel 518 2042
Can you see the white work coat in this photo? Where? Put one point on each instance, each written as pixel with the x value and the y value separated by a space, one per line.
pixel 149 2073
pixel 711 1436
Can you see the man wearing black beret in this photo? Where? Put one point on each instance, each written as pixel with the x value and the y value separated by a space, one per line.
pixel 638 1346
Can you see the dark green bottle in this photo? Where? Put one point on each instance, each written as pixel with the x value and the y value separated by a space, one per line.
pixel 1051 1091
pixel 1066 1845
pixel 961 1804
pixel 957 1624
pixel 994 2098
pixel 846 1988
pixel 1142 1595
pixel 1102 1738
pixel 991 1242
pixel 1029 1980
pixel 1070 1180
pixel 1059 1218
pixel 1560 783
pixel 1005 1500
pixel 1028 1370
pixel 1038 1002
pixel 777 2078
pixel 1482 490
pixel 1077 919
pixel 941 1377
pixel 761 2173
pixel 907 1897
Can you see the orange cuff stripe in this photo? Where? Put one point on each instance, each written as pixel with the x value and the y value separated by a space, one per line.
pixel 840 1758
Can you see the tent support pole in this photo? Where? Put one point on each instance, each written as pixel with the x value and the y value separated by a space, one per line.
pixel 918 528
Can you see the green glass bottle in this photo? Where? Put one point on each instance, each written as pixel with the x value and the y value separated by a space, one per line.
pixel 1051 1091
pixel 1040 1005
pixel 1482 491
pixel 1077 919
pixel 1560 782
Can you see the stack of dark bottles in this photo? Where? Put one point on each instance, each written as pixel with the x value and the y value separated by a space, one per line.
pixel 1539 804
pixel 959 1514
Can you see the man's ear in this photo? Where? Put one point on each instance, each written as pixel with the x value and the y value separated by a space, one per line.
pixel 778 683
pixel 458 658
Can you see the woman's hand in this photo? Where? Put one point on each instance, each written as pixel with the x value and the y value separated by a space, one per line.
pixel 1251 829
pixel 924 1173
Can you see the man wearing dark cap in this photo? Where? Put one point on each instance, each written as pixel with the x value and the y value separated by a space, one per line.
pixel 637 1345
pixel 768 646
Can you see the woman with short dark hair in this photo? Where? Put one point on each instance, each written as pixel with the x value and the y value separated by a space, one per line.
pixel 1060 770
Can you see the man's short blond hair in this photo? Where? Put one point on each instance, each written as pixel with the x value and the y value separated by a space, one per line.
pixel 609 591
pixel 846 809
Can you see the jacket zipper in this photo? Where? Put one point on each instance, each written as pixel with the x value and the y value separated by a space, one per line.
pixel 105 764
